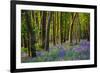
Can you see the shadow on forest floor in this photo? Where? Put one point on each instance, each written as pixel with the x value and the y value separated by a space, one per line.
pixel 63 52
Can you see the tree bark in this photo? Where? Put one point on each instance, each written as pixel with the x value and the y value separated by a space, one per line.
pixel 32 33
pixel 43 28
pixel 71 27
pixel 47 33
pixel 61 28
pixel 54 42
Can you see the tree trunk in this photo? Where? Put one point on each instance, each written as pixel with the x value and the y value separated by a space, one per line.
pixel 43 28
pixel 29 44
pixel 71 27
pixel 54 42
pixel 61 28
pixel 47 33
pixel 65 29
pixel 32 33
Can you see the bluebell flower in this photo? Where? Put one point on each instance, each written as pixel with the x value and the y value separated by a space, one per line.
pixel 40 53
pixel 62 53
pixel 78 49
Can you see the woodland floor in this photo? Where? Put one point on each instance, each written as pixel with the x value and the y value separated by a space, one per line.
pixel 64 52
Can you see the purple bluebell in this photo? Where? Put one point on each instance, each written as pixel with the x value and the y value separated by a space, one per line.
pixel 77 49
pixel 62 53
pixel 40 53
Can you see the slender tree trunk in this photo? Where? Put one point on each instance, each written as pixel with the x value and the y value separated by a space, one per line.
pixel 61 28
pixel 25 41
pixel 59 17
pixel 79 29
pixel 47 33
pixel 43 28
pixel 71 27
pixel 88 28
pixel 76 28
pixel 41 16
pixel 32 33
pixel 29 44
pixel 54 42
pixel 65 30
pixel 22 41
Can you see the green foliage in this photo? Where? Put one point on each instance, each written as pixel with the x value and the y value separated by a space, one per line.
pixel 84 20
pixel 36 29
pixel 38 47
pixel 24 50
pixel 23 23
pixel 71 55
pixel 54 53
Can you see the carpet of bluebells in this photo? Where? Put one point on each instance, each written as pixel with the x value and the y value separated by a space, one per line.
pixel 63 52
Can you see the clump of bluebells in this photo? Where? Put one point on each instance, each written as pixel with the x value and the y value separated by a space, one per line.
pixel 83 49
pixel 80 52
